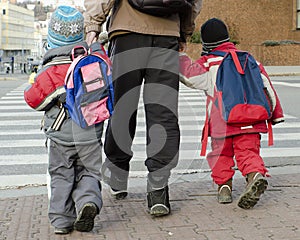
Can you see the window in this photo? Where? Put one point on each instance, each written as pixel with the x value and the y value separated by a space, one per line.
pixel 298 14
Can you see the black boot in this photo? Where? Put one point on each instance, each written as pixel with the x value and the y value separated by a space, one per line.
pixel 158 202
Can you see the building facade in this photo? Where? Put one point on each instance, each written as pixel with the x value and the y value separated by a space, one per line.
pixel 17 36
pixel 270 29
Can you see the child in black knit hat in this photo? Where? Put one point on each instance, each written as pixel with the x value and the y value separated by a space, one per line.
pixel 229 143
pixel 213 33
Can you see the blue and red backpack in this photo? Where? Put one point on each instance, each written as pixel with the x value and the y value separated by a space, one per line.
pixel 88 84
pixel 240 95
pixel 240 92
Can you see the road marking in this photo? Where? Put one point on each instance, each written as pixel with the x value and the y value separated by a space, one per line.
pixel 22 180
pixel 22 114
pixel 297 85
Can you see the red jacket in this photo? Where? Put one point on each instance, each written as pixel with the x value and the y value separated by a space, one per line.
pixel 202 73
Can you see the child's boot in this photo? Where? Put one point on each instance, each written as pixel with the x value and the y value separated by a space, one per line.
pixel 256 185
pixel 224 192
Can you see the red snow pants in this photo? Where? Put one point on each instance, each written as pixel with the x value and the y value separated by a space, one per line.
pixel 244 148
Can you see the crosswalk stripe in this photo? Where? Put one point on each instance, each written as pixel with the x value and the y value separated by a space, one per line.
pixel 137 140
pixel 22 114
pixel 140 156
pixel 30 159
pixel 14 107
pixel 7 181
pixel 286 84
pixel 11 102
pixel 12 98
pixel 21 132
pixel 14 93
pixel 31 122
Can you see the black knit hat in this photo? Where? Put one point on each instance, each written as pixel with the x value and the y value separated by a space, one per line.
pixel 213 33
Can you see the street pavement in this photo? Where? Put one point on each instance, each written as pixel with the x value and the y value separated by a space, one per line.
pixel 195 215
pixel 195 211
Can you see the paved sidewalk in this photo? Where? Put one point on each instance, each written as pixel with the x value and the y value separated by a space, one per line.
pixel 195 215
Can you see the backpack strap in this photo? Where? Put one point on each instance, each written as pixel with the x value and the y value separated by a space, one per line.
pixel 270 134
pixel 234 57
pixel 204 139
pixel 78 51
pixel 236 62
pixel 69 75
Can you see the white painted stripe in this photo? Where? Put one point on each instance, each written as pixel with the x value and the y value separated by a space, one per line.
pixel 287 116
pixel 282 136
pixel 22 114
pixel 13 98
pixel 287 125
pixel 23 159
pixel 12 102
pixel 13 94
pixel 140 156
pixel 37 122
pixel 22 180
pixel 194 116
pixel 21 132
pixel 196 127
pixel 22 143
pixel 183 93
pixel 14 107
pixel 21 123
pixel 199 116
pixel 184 102
pixel 19 89
pixel 191 98
pixel 280 152
pixel 195 154
pixel 287 84
pixel 196 139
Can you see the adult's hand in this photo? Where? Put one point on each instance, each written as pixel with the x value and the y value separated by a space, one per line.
pixel 182 46
pixel 91 37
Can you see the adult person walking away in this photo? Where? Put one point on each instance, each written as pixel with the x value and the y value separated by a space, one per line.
pixel 144 50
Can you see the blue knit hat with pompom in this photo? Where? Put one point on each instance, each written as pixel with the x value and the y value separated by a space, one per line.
pixel 65 27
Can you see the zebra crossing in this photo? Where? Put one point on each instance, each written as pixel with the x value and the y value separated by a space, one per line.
pixel 23 155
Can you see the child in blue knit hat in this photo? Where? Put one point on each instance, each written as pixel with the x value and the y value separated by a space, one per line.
pixel 65 27
pixel 75 154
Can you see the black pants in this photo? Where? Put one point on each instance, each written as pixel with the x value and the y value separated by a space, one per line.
pixel 152 62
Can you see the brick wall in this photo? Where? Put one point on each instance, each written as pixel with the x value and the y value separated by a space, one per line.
pixel 252 22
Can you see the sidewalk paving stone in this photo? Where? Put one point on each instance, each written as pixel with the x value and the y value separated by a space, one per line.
pixel 195 215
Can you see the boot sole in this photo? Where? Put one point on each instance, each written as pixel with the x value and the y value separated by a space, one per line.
pixel 118 195
pixel 62 231
pixel 225 200
pixel 252 194
pixel 159 210
pixel 85 220
pixel 224 195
